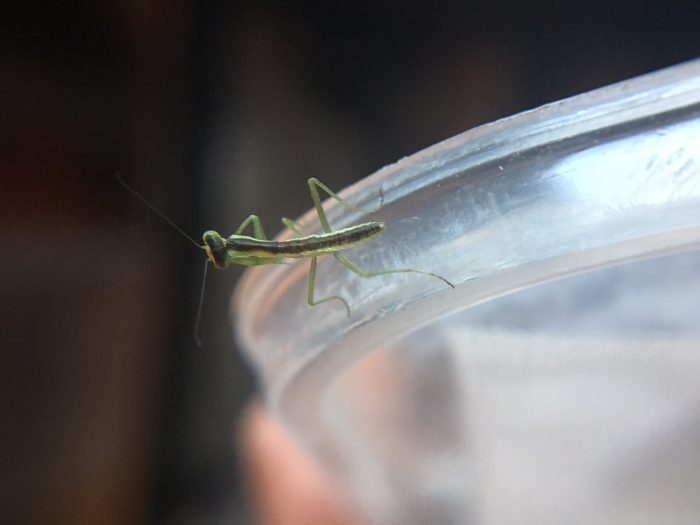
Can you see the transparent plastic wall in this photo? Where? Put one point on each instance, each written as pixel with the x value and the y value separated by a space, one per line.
pixel 560 381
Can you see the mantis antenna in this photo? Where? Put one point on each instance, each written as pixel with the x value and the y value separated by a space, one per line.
pixel 152 207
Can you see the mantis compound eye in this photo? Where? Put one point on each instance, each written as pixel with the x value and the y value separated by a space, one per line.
pixel 215 246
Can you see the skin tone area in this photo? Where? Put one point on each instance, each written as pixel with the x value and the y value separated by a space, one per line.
pixel 285 486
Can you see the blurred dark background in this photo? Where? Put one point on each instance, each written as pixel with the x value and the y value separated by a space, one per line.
pixel 215 110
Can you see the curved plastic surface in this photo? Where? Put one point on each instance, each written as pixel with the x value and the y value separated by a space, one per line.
pixel 544 387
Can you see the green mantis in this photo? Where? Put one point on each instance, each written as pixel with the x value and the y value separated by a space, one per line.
pixel 257 249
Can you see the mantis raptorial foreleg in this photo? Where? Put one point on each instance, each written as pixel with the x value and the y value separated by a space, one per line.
pixel 258 232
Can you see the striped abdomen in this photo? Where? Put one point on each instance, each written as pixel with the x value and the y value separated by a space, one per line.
pixel 307 246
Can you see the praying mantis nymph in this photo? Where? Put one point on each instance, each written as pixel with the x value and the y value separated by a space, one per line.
pixel 257 249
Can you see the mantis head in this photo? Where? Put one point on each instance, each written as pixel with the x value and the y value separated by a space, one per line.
pixel 215 247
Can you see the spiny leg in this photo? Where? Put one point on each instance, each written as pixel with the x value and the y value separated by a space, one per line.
pixel 362 273
pixel 314 184
pixel 310 290
pixel 258 232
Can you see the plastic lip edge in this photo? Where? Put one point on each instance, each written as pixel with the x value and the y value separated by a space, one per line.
pixel 681 85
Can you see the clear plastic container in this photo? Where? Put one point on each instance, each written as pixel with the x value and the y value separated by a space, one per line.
pixel 560 381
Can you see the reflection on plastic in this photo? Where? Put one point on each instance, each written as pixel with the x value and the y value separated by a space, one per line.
pixel 558 382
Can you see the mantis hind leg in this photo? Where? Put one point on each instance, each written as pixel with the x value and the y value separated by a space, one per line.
pixel 258 232
pixel 314 184
pixel 362 273
pixel 310 290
